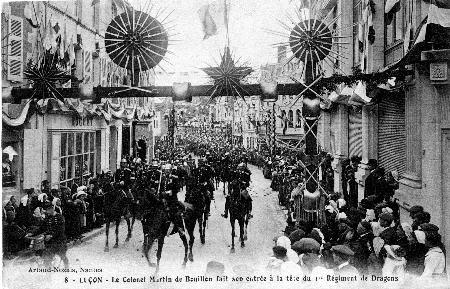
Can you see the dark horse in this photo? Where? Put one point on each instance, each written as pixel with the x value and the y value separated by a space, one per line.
pixel 116 206
pixel 197 209
pixel 238 211
pixel 225 175
pixel 156 225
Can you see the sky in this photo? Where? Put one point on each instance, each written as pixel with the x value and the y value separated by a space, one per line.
pixel 248 40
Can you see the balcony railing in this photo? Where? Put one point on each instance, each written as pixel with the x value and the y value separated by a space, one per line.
pixel 393 52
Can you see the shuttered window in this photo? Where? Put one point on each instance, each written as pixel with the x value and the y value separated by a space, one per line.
pixel 87 72
pixel 354 132
pixel 392 133
pixel 15 49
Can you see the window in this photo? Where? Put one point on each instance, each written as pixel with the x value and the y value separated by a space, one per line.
pixel 77 158
pixel 96 17
pixel 79 9
pixel 291 118
pixel 283 118
pixel 299 118
pixel 395 30
pixel 357 18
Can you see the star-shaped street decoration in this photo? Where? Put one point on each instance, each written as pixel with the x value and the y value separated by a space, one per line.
pixel 45 77
pixel 227 77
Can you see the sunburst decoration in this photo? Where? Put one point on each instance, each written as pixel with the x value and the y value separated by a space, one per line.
pixel 45 76
pixel 227 77
pixel 312 41
pixel 137 41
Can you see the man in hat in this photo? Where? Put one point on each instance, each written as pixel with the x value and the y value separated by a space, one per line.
pixel 206 173
pixel 123 174
pixel 371 180
pixel 341 257
pixel 239 186
pixel 169 189
pixel 55 235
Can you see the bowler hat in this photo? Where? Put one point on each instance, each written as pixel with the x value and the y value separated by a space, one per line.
pixel 342 249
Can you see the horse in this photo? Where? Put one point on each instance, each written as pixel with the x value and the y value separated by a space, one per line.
pixel 155 225
pixel 238 211
pixel 197 210
pixel 116 206
pixel 225 175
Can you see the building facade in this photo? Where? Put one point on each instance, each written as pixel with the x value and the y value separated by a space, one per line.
pixel 407 129
pixel 66 142
pixel 288 108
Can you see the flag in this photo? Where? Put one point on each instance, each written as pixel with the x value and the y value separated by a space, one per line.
pixel 71 52
pixel 29 16
pixel 435 28
pixel 407 38
pixel 213 16
pixel 95 2
pixel 371 33
pixel 391 7
pixel 361 37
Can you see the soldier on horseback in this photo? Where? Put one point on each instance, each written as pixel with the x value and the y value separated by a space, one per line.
pixel 240 184
pixel 169 188
pixel 123 174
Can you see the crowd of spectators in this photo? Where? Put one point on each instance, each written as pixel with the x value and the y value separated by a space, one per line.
pixel 82 208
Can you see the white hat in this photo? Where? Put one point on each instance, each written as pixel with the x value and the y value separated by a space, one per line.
pixel 341 203
pixel 81 188
pixel 80 193
pixel 41 197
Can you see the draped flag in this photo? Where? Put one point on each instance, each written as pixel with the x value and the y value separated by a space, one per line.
pixel 436 27
pixel 391 7
pixel 29 16
pixel 213 16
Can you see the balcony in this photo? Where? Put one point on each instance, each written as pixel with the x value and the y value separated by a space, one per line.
pixel 393 52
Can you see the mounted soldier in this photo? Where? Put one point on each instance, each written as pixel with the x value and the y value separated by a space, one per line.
pixel 169 188
pixel 206 173
pixel 238 189
pixel 123 174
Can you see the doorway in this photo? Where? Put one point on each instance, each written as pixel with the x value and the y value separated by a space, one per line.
pixel 113 141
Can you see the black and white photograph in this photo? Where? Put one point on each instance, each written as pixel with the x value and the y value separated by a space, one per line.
pixel 225 144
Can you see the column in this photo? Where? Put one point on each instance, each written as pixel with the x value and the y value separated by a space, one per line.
pixel 363 169
pixel 341 143
pixel 54 151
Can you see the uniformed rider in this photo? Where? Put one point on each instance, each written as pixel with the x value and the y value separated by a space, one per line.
pixel 169 189
pixel 241 182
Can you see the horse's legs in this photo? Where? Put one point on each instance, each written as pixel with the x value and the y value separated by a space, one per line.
pixel 148 243
pixel 186 247
pixel 232 233
pixel 205 220
pixel 190 228
pixel 201 228
pixel 159 252
pixel 241 231
pixel 107 236
pixel 116 245
pixel 245 229
pixel 129 225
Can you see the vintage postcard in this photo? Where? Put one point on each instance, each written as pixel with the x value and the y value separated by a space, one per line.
pixel 225 144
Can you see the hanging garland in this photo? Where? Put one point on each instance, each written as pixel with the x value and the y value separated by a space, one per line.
pixel 372 80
